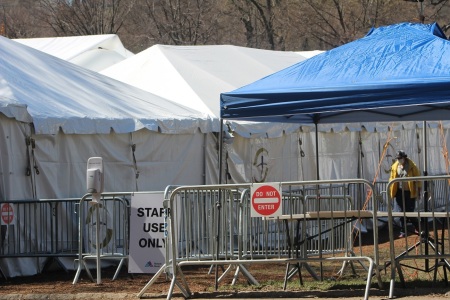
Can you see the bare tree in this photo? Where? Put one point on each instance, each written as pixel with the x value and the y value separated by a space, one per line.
pixel 267 24
pixel 437 11
pixel 17 21
pixel 178 22
pixel 336 22
pixel 85 17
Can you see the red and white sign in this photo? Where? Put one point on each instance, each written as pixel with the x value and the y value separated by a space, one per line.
pixel 266 200
pixel 7 212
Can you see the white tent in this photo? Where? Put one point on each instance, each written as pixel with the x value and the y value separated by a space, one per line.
pixel 196 75
pixel 55 115
pixel 71 113
pixel 94 52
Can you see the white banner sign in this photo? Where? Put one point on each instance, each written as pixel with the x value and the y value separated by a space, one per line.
pixel 147 243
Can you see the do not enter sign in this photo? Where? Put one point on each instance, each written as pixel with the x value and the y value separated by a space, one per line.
pixel 7 212
pixel 266 200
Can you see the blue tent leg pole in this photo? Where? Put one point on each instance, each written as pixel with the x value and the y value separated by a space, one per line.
pixel 218 205
pixel 317 151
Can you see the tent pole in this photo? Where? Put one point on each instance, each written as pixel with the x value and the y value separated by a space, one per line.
pixel 425 189
pixel 317 151
pixel 219 206
pixel 424 146
pixel 220 150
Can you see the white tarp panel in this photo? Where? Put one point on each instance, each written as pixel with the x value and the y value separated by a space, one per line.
pixel 57 95
pixel 292 157
pixel 94 52
pixel 342 155
pixel 14 184
pixel 61 159
pixel 271 159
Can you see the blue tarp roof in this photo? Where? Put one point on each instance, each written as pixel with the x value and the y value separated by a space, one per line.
pixel 399 72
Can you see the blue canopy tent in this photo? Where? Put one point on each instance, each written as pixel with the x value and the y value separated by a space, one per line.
pixel 399 72
pixel 395 73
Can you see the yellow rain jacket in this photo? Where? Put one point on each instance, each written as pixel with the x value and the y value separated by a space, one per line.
pixel 413 185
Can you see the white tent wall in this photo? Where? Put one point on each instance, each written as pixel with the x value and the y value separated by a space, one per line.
pixel 372 148
pixel 271 159
pixel 408 137
pixel 375 137
pixel 161 160
pixel 350 152
pixel 23 266
pixel 14 183
pixel 211 159
pixel 62 159
pixel 169 159
pixel 436 151
pixel 338 155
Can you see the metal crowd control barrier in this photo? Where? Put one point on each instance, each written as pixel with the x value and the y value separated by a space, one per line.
pixel 39 228
pixel 103 229
pixel 318 225
pixel 431 242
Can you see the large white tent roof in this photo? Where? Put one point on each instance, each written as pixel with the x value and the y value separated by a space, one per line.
pixel 94 52
pixel 58 95
pixel 196 75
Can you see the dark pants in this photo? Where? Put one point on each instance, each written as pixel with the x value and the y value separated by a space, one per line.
pixel 408 205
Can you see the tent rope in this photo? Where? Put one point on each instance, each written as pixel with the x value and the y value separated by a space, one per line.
pixel 377 173
pixel 136 170
pixel 302 155
pixel 444 147
pixel 369 193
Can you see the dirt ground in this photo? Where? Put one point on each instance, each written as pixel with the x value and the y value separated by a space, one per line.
pixel 201 282
pixel 202 286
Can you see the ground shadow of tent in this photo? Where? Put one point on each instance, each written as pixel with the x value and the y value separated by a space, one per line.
pixel 395 73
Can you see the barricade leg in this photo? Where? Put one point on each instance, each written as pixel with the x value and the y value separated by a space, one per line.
pixel 81 263
pixel 245 272
pixel 186 292
pixel 119 267
pixel 291 272
pixel 184 289
pixel 228 270
pixel 152 280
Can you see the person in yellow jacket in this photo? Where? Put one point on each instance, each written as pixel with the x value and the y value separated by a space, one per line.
pixel 405 193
